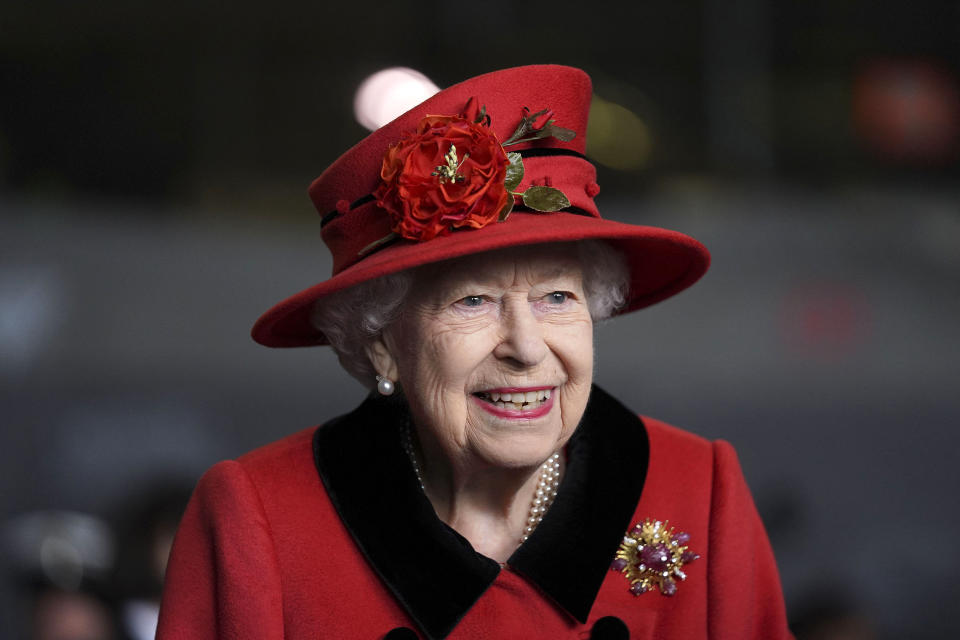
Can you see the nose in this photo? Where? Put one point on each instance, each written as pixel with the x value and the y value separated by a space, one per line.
pixel 522 341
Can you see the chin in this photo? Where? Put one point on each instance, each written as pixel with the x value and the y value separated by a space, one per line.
pixel 519 452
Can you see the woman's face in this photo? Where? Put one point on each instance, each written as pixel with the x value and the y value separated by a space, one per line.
pixel 512 322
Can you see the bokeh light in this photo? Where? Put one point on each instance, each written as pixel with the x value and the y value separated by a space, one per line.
pixel 908 110
pixel 388 93
pixel 617 137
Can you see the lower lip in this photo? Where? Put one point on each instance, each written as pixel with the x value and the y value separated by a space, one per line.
pixel 514 414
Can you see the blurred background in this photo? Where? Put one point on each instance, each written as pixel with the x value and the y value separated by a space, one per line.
pixel 154 159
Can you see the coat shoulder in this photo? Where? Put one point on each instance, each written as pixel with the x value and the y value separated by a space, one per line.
pixel 282 465
pixel 279 451
pixel 666 437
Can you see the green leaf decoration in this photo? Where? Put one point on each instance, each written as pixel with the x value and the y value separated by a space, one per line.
pixel 545 199
pixel 525 128
pixel 548 131
pixel 560 133
pixel 514 171
pixel 507 208
pixel 526 132
pixel 378 243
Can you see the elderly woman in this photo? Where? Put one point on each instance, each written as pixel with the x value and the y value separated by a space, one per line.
pixel 485 489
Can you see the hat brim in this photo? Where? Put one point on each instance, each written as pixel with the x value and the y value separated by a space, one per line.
pixel 661 262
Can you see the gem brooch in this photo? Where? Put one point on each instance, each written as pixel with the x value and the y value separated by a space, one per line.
pixel 652 555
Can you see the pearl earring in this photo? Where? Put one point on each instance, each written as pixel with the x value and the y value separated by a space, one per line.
pixel 385 386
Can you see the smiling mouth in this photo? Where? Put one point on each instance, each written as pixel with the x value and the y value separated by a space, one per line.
pixel 515 401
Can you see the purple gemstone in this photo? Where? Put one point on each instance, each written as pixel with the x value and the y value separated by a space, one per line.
pixel 618 564
pixel 656 557
pixel 637 588
pixel 682 538
pixel 668 587
pixel 689 556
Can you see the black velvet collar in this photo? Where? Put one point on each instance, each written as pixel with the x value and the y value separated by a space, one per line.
pixel 431 569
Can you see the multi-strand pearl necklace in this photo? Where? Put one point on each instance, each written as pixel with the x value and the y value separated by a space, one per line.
pixel 547 484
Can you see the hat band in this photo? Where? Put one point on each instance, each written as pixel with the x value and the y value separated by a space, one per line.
pixel 333 215
pixel 330 216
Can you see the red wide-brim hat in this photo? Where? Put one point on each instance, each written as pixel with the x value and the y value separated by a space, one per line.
pixel 375 223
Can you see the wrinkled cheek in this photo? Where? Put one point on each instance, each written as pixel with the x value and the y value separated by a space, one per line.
pixel 436 388
pixel 578 387
pixel 572 408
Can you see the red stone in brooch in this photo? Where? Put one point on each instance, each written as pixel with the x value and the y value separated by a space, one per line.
pixel 651 554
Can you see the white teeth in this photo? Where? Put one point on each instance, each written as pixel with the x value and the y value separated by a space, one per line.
pixel 516 401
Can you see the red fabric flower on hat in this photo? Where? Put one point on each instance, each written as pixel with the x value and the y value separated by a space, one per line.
pixel 448 174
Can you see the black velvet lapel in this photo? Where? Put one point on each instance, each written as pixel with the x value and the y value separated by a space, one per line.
pixel 431 569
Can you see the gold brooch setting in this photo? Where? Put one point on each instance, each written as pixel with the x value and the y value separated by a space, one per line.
pixel 652 555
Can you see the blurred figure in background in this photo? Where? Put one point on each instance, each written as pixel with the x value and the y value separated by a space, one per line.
pixel 59 562
pixel 78 578
pixel 59 614
pixel 145 530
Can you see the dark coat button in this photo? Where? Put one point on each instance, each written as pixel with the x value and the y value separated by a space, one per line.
pixel 609 628
pixel 403 633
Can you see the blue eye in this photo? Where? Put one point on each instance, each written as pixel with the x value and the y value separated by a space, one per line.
pixel 472 301
pixel 557 297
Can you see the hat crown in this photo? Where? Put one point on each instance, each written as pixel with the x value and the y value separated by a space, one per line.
pixel 344 194
pixel 565 90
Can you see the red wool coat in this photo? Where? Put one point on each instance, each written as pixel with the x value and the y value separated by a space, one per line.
pixel 326 534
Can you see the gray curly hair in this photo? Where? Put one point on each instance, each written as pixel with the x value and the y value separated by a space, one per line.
pixel 354 317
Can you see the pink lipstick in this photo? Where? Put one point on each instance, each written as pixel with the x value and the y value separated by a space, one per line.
pixel 516 403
